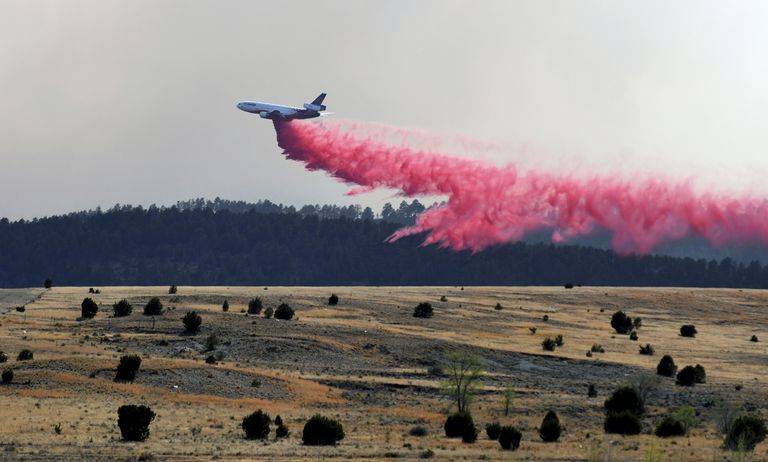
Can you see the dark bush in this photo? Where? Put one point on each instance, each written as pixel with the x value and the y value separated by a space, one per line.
pixel 470 434
pixel 423 310
pixel 625 399
pixel 550 428
pixel 687 376
pixel 284 312
pixel 633 335
pixel 122 308
pixel 268 312
pixel 509 437
pixel 210 359
pixel 255 306
pixel 192 322
pixel 7 376
pixel 637 323
pixel 278 420
pixel 91 291
pixel 498 307
pixel 20 309
pixel 456 423
pixel 172 290
pixel 492 430
pixel 88 308
pixel 127 368
pixel 688 330
pixel 134 422
pixel 568 285
pixel 646 349
pixel 621 323
pixel 533 330
pixel 746 432
pixel 281 431
pixel 666 366
pixel 545 318
pixel 670 426
pixel 256 425
pixel 48 283
pixel 25 355
pixel 591 390
pixel 333 300
pixel 418 430
pixel 753 338
pixel 701 374
pixel 225 306
pixel 3 357
pixel 154 307
pixel 548 344
pixel 622 423
pixel 559 340
pixel 211 342
pixel 597 348
pixel 322 431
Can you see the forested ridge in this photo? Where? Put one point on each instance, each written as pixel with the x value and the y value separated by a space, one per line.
pixel 235 243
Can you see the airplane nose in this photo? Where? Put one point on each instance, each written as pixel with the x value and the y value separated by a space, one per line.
pixel 241 106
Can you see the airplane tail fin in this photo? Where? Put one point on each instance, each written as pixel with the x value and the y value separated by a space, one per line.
pixel 317 104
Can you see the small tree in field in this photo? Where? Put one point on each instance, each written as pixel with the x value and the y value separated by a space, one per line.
pixel 48 283
pixel 621 323
pixel 284 312
pixel 134 422
pixel 465 373
pixel 88 308
pixel 122 308
pixel 154 307
pixel 172 290
pixel 256 425
pixel 255 306
pixel 225 306
pixel 192 322
pixel 127 368
pixel 333 300
pixel 509 398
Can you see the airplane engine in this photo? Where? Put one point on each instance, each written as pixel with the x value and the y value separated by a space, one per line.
pixel 264 115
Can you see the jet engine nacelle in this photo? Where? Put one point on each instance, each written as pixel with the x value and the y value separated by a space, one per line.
pixel 264 115
pixel 314 107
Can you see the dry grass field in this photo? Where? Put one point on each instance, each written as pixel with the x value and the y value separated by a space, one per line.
pixel 369 363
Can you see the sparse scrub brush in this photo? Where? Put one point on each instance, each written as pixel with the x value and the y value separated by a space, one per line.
pixel 134 422
pixel 493 430
pixel 7 376
pixel 322 431
pixel 423 310
pixel 268 312
pixel 284 312
pixel 256 425
pixel 122 308
pixel 621 323
pixel 25 355
pixel 211 342
pixel 687 376
pixel 666 366
pixel 225 306
pixel 509 437
pixel 172 290
pixel 548 344
pixel 622 423
pixel 255 306
pixel 333 300
pixel 88 308
pixel 646 349
pixel 3 357
pixel 127 368
pixel 688 330
pixel 625 399
pixel 418 430
pixel 154 307
pixel 745 433
pixel 192 322
pixel 456 423
pixel 550 428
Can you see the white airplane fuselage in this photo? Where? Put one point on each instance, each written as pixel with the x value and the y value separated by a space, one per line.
pixel 280 112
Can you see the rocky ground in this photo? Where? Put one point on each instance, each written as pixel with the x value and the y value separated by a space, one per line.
pixel 369 363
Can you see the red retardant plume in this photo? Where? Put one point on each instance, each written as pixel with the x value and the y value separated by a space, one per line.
pixel 489 205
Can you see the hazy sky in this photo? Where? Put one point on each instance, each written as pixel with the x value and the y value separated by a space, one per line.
pixel 105 102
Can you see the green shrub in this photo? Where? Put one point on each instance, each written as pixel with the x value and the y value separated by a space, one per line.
pixel 625 399
pixel 745 433
pixel 753 338
pixel 621 323
pixel 548 344
pixel 225 306
pixel 418 430
pixel 687 376
pixel 688 330
pixel 322 431
pixel 127 368
pixel 456 423
pixel 591 390
pixel 256 425
pixel 509 437
pixel 333 300
pixel 559 340
pixel 211 342
pixel 646 349
pixel 281 431
pixel 192 322
pixel 633 335
pixel 48 283
pixel 134 421
pixel 25 355
pixel 7 376
pixel 637 323
pixel 268 312
pixel 284 312
pixel 492 430
pixel 666 366
pixel 88 308
pixel 3 357
pixel 550 428
pixel 172 290
pixel 154 307
pixel 470 434
pixel 670 426
pixel 498 307
pixel 122 308
pixel 278 420
pixel 423 310
pixel 255 306
pixel 622 423
pixel 597 348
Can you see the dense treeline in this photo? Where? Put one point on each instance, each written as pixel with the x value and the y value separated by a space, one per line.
pixel 267 244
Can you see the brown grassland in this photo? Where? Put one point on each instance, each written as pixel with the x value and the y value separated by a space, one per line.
pixel 369 363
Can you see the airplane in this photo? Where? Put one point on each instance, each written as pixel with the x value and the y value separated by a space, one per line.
pixel 278 112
